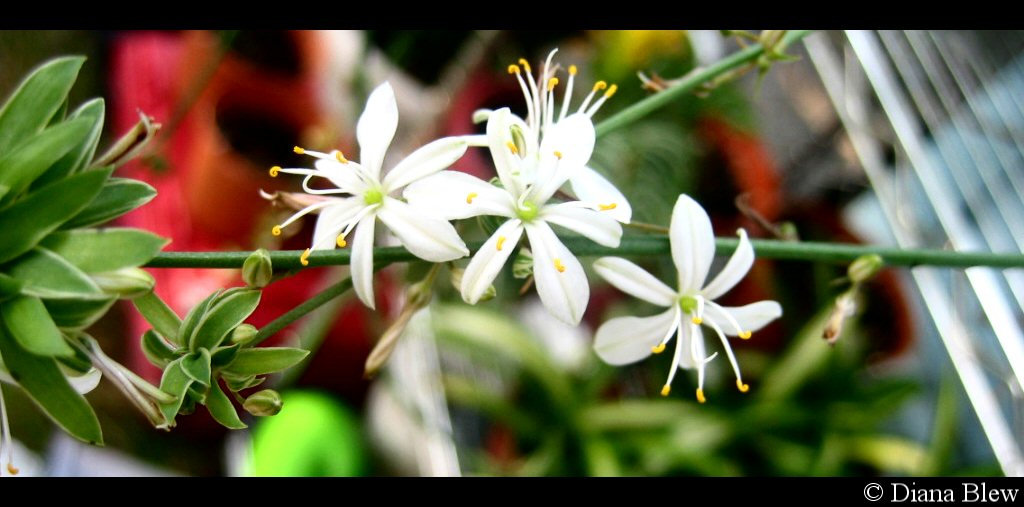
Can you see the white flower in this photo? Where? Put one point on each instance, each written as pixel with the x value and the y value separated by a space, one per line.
pixel 533 159
pixel 625 340
pixel 425 235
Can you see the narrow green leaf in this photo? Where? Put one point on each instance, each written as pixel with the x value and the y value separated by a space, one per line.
pixel 36 99
pixel 239 383
pixel 223 316
pixel 222 410
pixel 117 197
pixel 9 287
pixel 81 154
pixel 60 115
pixel 174 382
pixel 158 351
pixel 262 360
pixel 36 215
pixel 31 325
pixel 192 318
pixel 106 249
pixel 197 393
pixel 42 379
pixel 223 356
pixel 78 313
pixel 47 275
pixel 197 366
pixel 159 315
pixel 30 159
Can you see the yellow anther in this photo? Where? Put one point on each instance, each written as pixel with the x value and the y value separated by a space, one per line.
pixel 341 158
pixel 276 230
pixel 341 242
pixel 558 155
pixel 512 147
pixel 559 266
pixel 274 171
pixel 665 390
pixel 12 469
pixel 745 335
pixel 741 386
pixel 700 396
pixel 513 69
pixel 525 64
pixel 697 320
pixel 572 70
pixel 304 258
pixel 611 90
pixel 607 207
pixel 470 197
pixel 658 349
pixel 298 150
pixel 600 85
pixel 501 242
pixel 552 83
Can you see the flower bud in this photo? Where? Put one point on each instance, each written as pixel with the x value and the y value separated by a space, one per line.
pixel 257 269
pixel 864 268
pixel 264 403
pixel 522 265
pixel 126 283
pixel 244 333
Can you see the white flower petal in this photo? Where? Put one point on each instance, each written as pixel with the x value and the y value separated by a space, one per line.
pixel 85 382
pixel 749 317
pixel 559 277
pixel 488 261
pixel 507 164
pixel 362 260
pixel 600 228
pixel 691 343
pixel 344 176
pixel 565 149
pixel 625 340
pixel 635 281
pixel 591 187
pixel 734 270
pixel 333 219
pixel 425 161
pixel 431 239
pixel 693 243
pixel 376 128
pixel 454 195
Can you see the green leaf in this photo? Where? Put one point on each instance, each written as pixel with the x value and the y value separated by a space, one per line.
pixel 78 313
pixel 222 410
pixel 47 275
pixel 39 213
pixel 239 383
pixel 158 351
pixel 159 315
pixel 80 155
pixel 192 318
pixel 224 316
pixel 197 366
pixel 42 379
pixel 107 249
pixel 176 383
pixel 197 393
pixel 223 356
pixel 117 197
pixel 31 325
pixel 29 160
pixel 9 287
pixel 36 100
pixel 262 360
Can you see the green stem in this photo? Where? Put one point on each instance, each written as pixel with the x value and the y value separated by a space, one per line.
pixel 299 311
pixel 637 246
pixel 689 83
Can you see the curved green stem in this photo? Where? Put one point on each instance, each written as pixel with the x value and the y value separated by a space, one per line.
pixel 299 311
pixel 689 83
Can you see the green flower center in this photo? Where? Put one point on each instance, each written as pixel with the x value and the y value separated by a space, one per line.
pixel 688 304
pixel 527 212
pixel 373 197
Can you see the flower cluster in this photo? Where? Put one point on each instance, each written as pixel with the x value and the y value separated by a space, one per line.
pixel 542 180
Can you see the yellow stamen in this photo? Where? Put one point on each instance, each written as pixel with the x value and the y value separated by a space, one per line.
pixel 558 155
pixel 665 390
pixel 525 64
pixel 512 147
pixel 12 469
pixel 745 335
pixel 298 150
pixel 600 85
pixel 658 349
pixel 700 396
pixel 741 386
pixel 341 158
pixel 552 83
pixel 572 70
pixel 607 207
pixel 276 230
pixel 274 171
pixel 611 91
pixel 513 69
pixel 697 320
pixel 304 258
pixel 559 266
pixel 341 242
pixel 501 241
pixel 470 197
